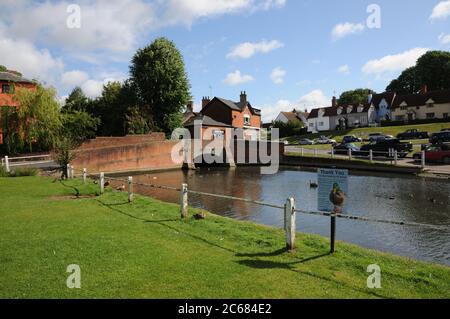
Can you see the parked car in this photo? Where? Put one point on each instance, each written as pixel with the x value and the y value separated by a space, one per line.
pixel 342 149
pixel 383 147
pixel 413 134
pixel 325 140
pixel 445 130
pixel 435 154
pixel 351 139
pixel 440 137
pixel 305 141
pixel 374 137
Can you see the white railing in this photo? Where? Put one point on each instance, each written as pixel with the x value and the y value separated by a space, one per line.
pixel 9 162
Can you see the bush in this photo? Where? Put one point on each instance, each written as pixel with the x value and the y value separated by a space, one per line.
pixel 413 122
pixel 292 128
pixel 18 172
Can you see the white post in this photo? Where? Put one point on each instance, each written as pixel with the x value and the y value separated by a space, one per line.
pixel 184 201
pixel 102 183
pixel 371 156
pixel 423 159
pixel 84 175
pixel 302 151
pixel 7 164
pixel 130 189
pixel 396 157
pixel 68 171
pixel 350 154
pixel 72 171
pixel 289 223
pixel 332 152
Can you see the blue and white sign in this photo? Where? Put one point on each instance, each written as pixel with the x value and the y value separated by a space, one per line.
pixel 333 189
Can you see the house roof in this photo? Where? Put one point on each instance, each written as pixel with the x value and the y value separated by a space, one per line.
pixel 439 97
pixel 237 106
pixel 377 98
pixel 333 110
pixel 206 121
pixel 291 116
pixel 11 77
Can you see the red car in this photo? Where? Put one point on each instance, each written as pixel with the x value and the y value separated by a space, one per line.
pixel 436 154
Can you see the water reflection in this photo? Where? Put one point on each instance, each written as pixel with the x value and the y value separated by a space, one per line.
pixel 388 197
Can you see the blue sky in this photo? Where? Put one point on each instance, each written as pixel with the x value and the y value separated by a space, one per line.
pixel 284 53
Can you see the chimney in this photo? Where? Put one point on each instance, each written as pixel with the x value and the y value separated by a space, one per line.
pixel 190 107
pixel 243 98
pixel 334 102
pixel 369 98
pixel 424 89
pixel 205 101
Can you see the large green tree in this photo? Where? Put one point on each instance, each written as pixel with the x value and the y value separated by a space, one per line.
pixel 162 86
pixel 77 101
pixel 358 96
pixel 432 69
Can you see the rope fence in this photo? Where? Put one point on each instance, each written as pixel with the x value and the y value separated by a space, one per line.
pixel 289 208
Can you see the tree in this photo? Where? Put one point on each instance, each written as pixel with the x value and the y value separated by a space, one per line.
pixel 38 118
pixel 3 68
pixel 432 69
pixel 136 123
pixel 291 128
pixel 358 96
pixel 79 126
pixel 159 77
pixel 76 101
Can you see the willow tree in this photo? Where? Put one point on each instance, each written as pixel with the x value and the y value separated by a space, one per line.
pixel 162 86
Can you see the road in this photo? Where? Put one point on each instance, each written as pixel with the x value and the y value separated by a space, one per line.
pixel 430 168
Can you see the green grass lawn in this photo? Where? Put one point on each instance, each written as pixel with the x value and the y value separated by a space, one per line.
pixel 364 132
pixel 144 250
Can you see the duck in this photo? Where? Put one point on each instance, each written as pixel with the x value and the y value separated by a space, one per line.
pixel 200 216
pixel 337 196
pixel 121 188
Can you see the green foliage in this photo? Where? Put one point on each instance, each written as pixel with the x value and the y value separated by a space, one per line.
pixel 159 77
pixel 79 126
pixel 432 69
pixel 76 101
pixel 3 68
pixel 136 123
pixel 18 172
pixel 291 128
pixel 358 96
pixel 63 153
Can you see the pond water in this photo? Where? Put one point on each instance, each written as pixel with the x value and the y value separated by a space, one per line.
pixel 394 197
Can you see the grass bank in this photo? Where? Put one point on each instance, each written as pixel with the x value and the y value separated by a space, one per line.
pixel 144 250
pixel 364 132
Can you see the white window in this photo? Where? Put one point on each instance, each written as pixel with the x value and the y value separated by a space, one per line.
pixel 246 120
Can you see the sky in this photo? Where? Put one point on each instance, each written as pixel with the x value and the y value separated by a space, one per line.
pixel 283 53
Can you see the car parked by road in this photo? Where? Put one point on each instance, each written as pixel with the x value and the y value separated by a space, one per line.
pixel 441 137
pixel 435 154
pixel 374 137
pixel 351 139
pixel 325 140
pixel 305 141
pixel 386 147
pixel 343 149
pixel 413 134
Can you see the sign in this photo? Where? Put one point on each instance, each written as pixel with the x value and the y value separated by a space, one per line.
pixel 333 189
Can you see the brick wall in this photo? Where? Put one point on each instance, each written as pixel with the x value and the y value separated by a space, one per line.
pixel 100 142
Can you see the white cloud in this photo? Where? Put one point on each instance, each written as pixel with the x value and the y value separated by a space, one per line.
pixel 248 49
pixel 74 78
pixel 23 56
pixel 271 112
pixel 393 63
pixel 444 38
pixel 277 75
pixel 185 12
pixel 236 78
pixel 344 29
pixel 441 10
pixel 344 69
pixel 315 98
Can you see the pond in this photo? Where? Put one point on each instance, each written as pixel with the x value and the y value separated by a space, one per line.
pixel 393 197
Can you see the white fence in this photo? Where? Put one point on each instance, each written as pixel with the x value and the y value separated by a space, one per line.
pixel 10 162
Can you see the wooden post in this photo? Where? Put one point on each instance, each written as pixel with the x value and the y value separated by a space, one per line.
pixel 424 161
pixel 130 189
pixel 371 156
pixel 84 175
pixel 102 183
pixel 7 164
pixel 333 232
pixel 289 223
pixel 184 201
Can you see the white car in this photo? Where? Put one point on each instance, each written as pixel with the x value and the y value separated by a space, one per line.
pixel 325 140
